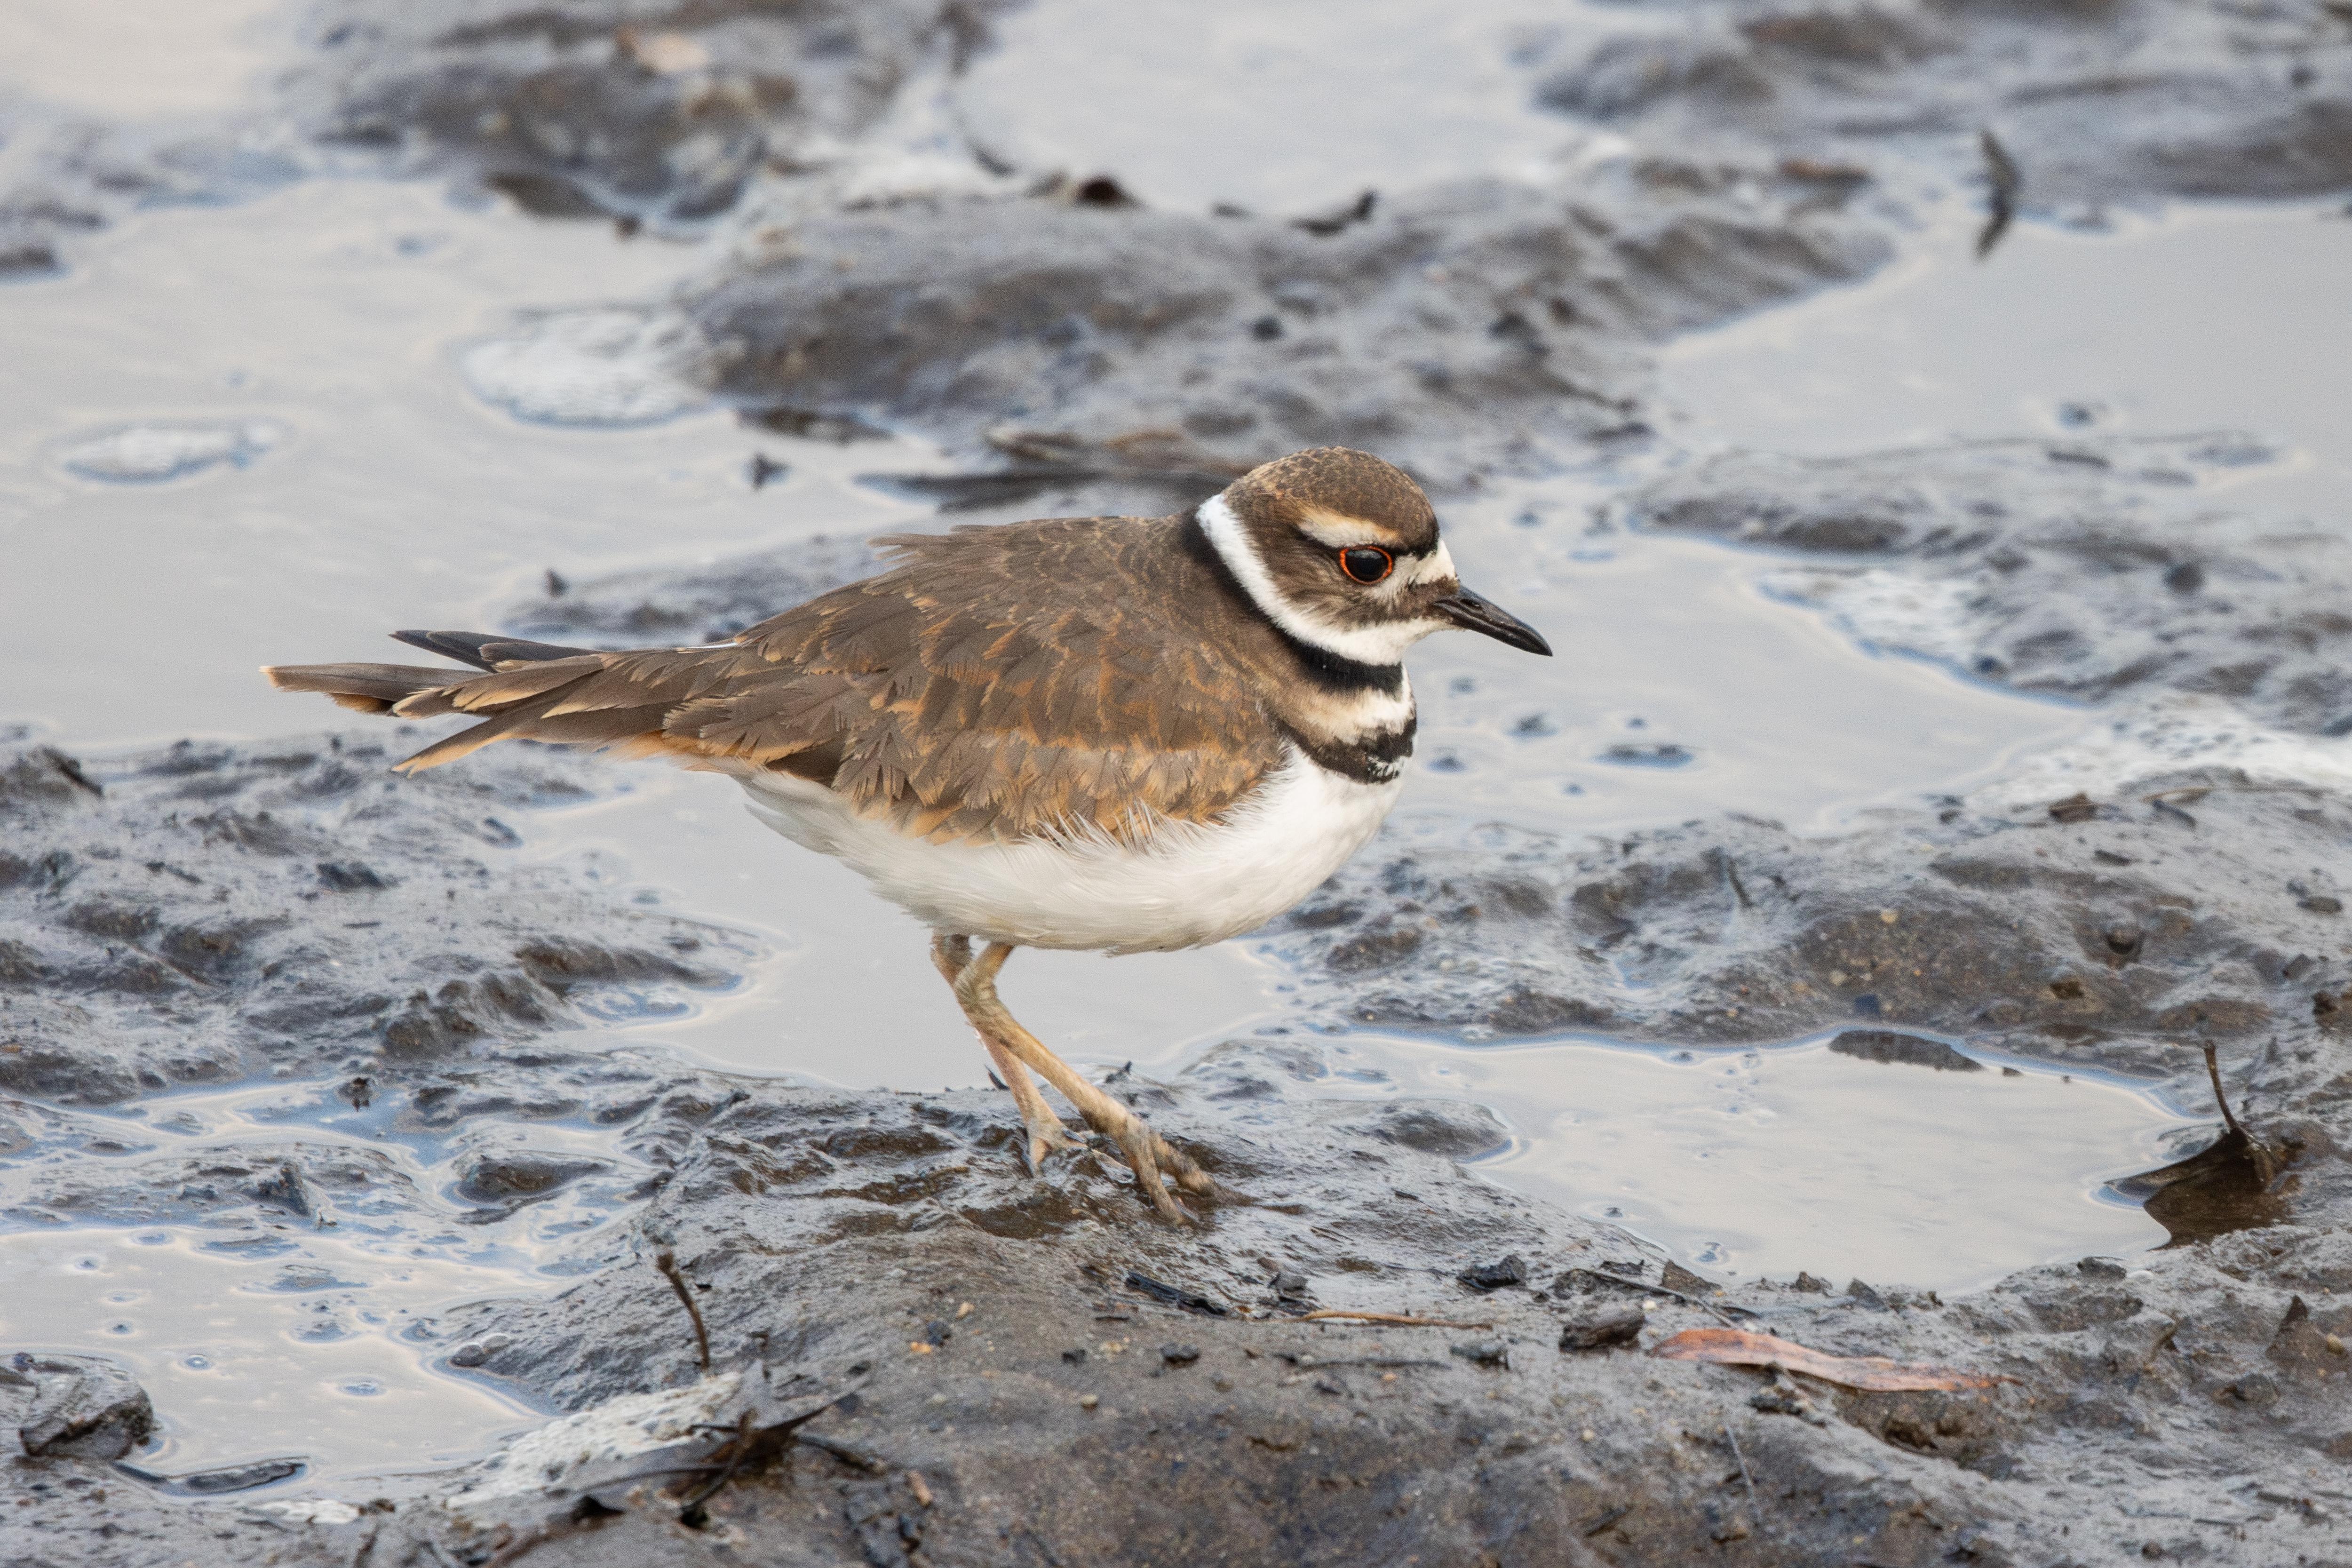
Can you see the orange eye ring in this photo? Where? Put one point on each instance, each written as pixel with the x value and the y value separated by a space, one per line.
pixel 1366 563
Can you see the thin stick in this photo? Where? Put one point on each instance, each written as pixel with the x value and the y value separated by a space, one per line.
pixel 2213 1071
pixel 1405 1319
pixel 1754 1507
pixel 847 1455
pixel 736 1451
pixel 666 1261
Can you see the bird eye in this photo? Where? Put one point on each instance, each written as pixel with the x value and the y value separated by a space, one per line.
pixel 1366 562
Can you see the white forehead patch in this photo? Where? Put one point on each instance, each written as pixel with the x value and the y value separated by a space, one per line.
pixel 1437 567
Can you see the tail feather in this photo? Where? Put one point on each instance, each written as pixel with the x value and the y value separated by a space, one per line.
pixel 521 684
pixel 368 687
pixel 487 651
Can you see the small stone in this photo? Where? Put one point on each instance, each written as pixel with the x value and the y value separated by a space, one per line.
pixel 1686 1281
pixel 1180 1355
pixel 1601 1331
pixel 1088 1401
pixel 82 1408
pixel 1495 1276
pixel 1484 1353
pixel 2256 1388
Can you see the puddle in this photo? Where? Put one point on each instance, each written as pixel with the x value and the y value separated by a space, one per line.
pixel 1292 107
pixel 261 1333
pixel 119 60
pixel 299 1354
pixel 2199 319
pixel 1763 1162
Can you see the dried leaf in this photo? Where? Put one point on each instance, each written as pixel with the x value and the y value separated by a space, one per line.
pixel 1740 1347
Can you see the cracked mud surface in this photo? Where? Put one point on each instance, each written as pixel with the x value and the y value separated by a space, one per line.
pixel 410 1003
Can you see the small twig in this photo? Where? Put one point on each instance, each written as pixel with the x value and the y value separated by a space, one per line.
pixel 666 1261
pixel 856 1458
pixel 2198 792
pixel 1755 1509
pixel 530 1541
pixel 1405 1319
pixel 690 1511
pixel 683 1468
pixel 2213 1071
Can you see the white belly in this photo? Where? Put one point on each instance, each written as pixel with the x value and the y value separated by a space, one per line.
pixel 1189 886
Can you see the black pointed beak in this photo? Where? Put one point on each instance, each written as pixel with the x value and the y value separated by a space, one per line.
pixel 1473 613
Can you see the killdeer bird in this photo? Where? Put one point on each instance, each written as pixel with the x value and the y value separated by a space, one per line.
pixel 1128 734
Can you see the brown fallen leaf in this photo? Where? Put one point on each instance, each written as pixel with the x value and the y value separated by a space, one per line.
pixel 1740 1347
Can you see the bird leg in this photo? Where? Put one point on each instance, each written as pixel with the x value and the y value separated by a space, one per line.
pixel 953 956
pixel 1146 1152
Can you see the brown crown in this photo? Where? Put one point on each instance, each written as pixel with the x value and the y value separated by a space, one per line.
pixel 1336 479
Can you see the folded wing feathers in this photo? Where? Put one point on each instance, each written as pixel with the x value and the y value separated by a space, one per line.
pixel 974 694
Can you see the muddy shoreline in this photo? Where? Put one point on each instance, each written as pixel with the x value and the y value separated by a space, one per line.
pixel 914 1352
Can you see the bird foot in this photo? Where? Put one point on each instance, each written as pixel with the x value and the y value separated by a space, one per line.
pixel 1147 1156
pixel 1046 1137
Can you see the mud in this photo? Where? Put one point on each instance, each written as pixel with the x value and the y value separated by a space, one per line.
pixel 834 1240
pixel 1461 327
pixel 920 1354
pixel 648 114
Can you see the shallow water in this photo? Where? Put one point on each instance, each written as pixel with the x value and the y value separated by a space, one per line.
pixel 2198 320
pixel 1748 1162
pixel 1292 107
pixel 297 1354
pixel 365 486
pixel 305 1338
pixel 141 59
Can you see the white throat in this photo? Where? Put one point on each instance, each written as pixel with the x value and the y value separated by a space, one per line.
pixel 1382 644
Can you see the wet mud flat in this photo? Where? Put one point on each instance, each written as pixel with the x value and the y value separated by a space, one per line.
pixel 771 1324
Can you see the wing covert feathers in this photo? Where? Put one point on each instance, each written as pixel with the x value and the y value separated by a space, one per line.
pixel 999 683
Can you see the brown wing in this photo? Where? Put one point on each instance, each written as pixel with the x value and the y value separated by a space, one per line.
pixel 1000 683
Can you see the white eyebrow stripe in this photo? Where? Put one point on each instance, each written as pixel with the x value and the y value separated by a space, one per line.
pixel 1339 532
pixel 1382 644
